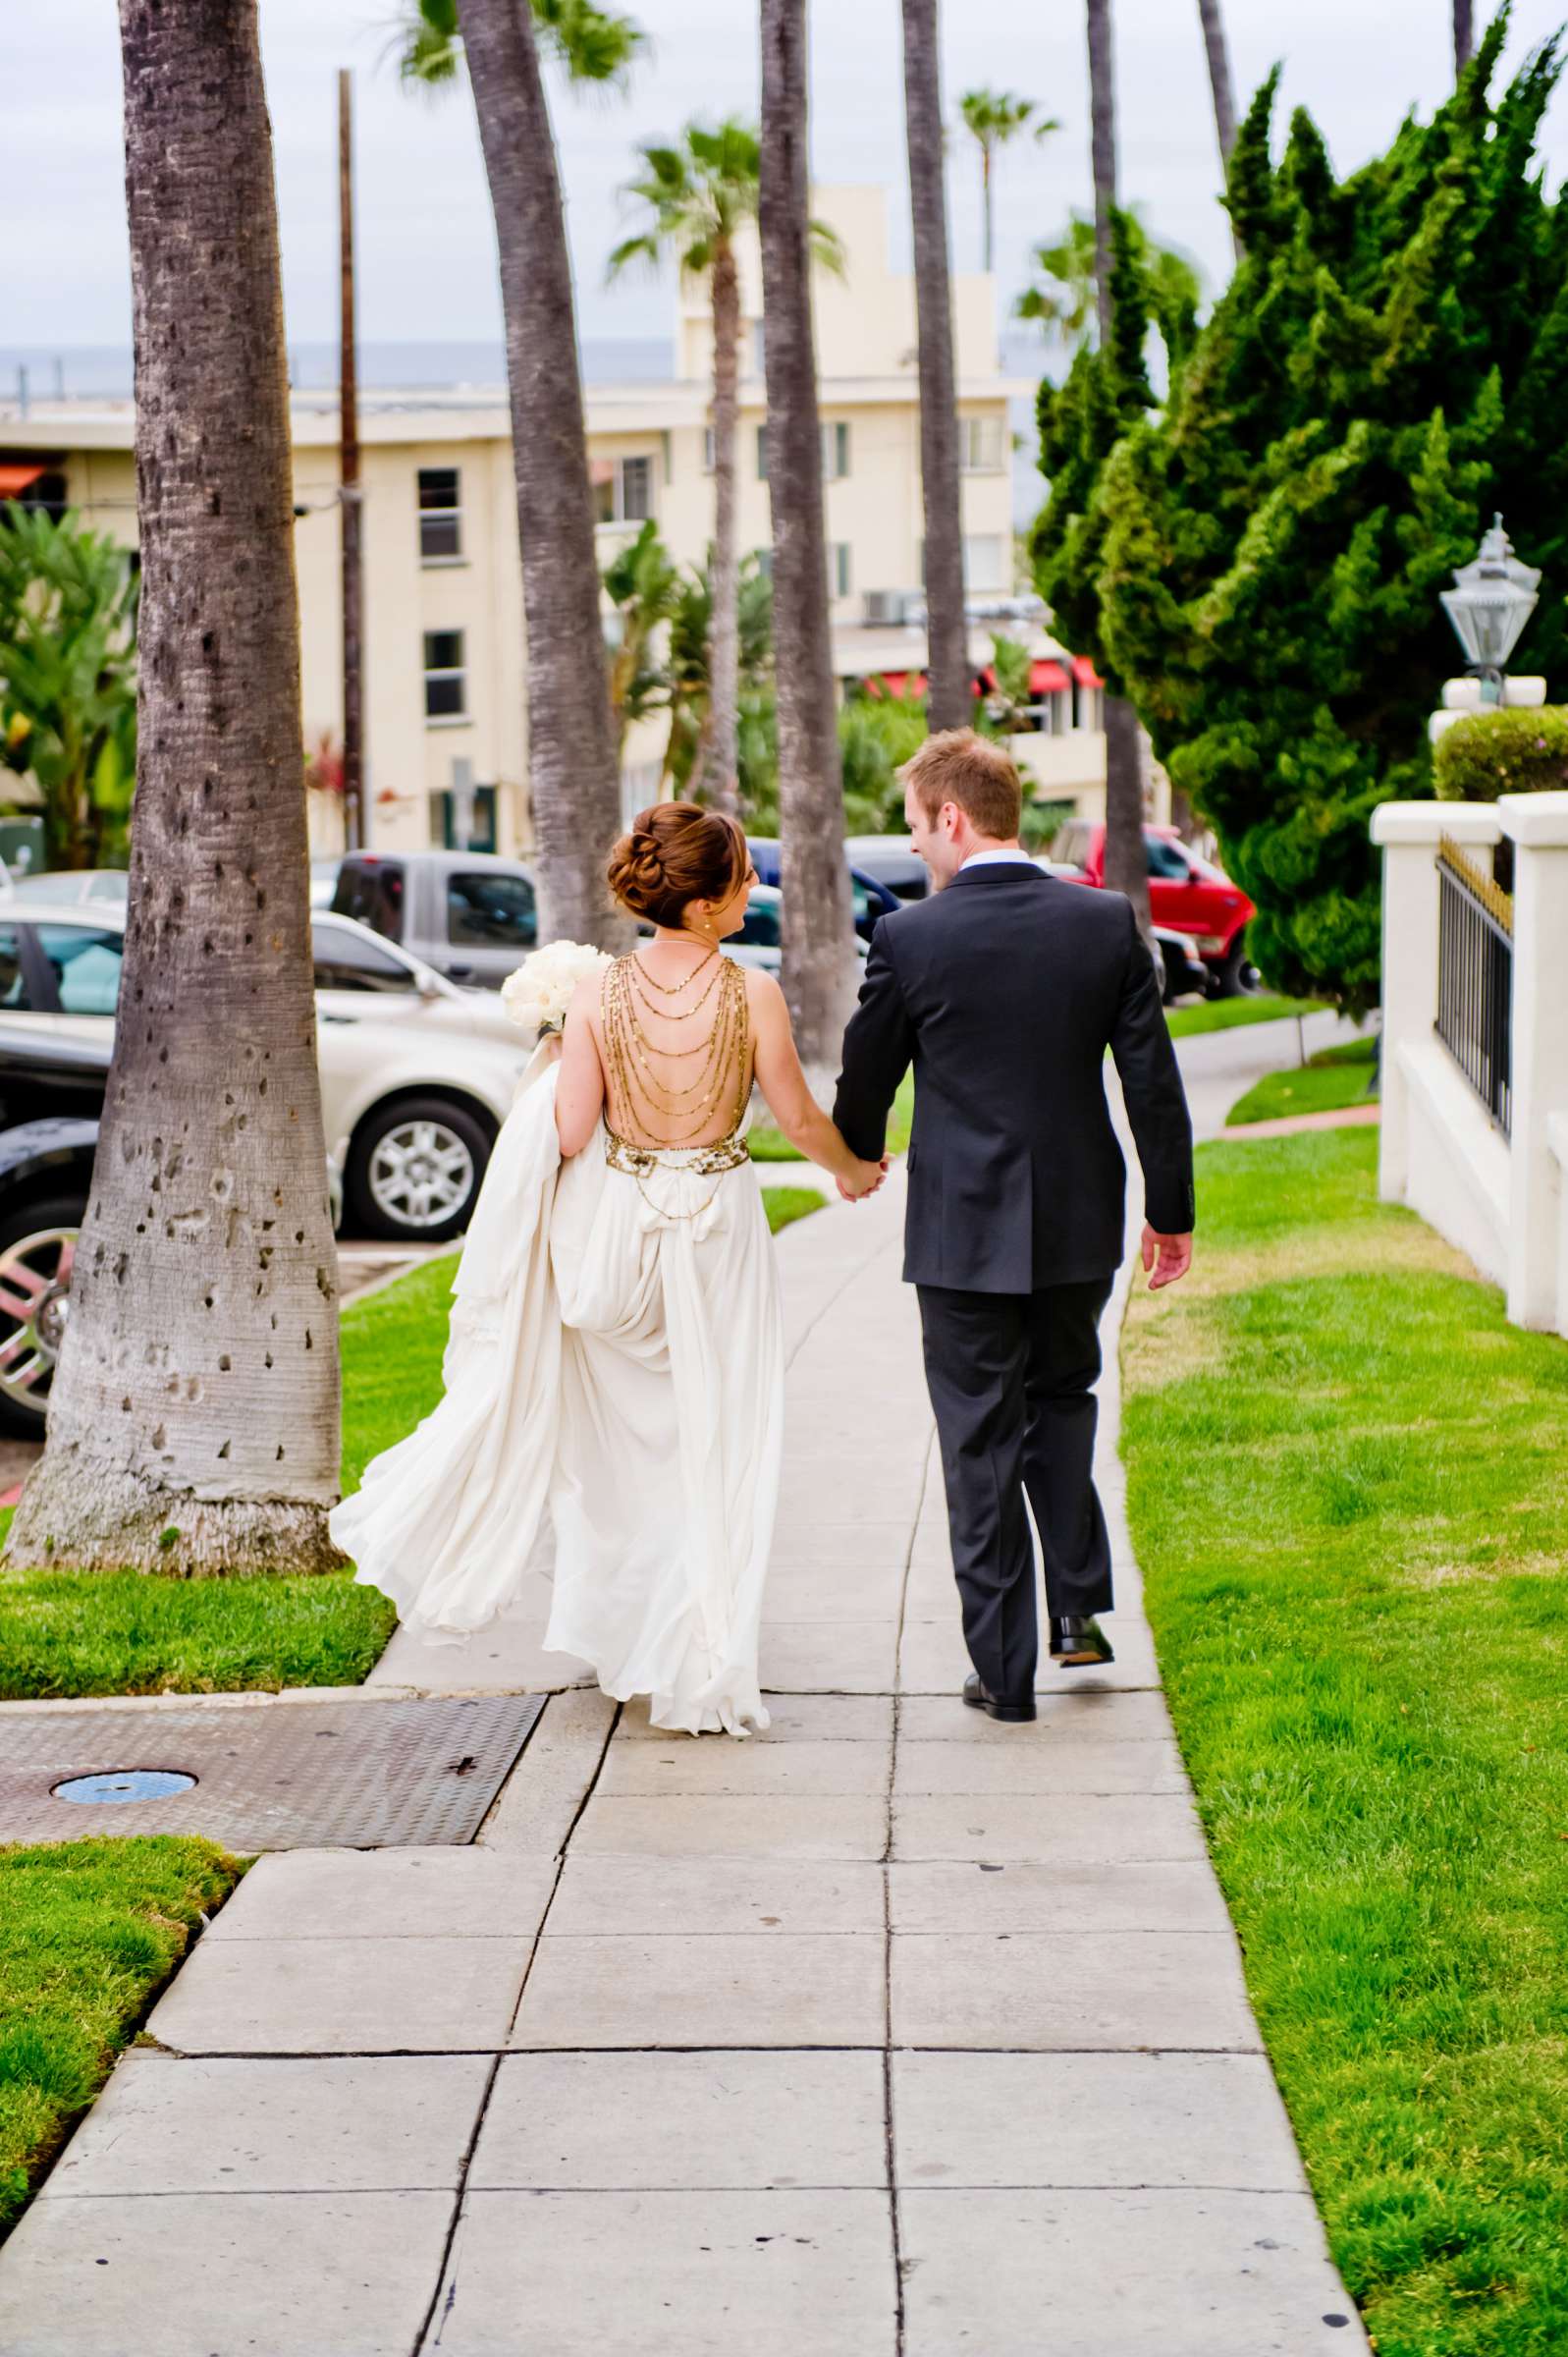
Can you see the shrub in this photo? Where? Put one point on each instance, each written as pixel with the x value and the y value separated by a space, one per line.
pixel 1487 754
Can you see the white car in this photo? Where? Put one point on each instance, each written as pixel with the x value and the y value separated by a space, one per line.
pixel 417 1076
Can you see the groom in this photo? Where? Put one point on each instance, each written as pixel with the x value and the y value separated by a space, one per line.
pixel 1004 989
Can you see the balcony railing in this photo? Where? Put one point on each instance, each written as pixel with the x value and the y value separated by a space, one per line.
pixel 1474 978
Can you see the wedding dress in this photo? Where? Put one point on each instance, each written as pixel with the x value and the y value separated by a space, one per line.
pixel 615 1361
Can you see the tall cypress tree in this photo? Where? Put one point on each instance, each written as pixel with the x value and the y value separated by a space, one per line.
pixel 1385 368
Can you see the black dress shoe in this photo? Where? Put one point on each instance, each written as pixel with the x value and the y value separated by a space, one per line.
pixel 1077 1643
pixel 978 1699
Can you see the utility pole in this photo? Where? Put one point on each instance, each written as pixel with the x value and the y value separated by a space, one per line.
pixel 350 496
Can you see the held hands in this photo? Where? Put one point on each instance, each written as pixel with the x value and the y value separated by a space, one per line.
pixel 1166 1256
pixel 867 1178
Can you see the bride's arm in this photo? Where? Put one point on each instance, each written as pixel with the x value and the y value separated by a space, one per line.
pixel 790 1100
pixel 579 1080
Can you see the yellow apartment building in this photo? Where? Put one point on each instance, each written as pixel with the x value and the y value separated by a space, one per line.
pixel 445 733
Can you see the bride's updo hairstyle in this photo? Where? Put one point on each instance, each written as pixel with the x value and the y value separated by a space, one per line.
pixel 676 852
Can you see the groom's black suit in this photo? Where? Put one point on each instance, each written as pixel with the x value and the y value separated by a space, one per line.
pixel 1005 989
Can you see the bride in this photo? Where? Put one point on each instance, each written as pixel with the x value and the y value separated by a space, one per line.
pixel 615 1355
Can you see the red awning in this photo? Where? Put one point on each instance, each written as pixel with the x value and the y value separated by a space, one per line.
pixel 16 480
pixel 1047 679
pixel 1084 672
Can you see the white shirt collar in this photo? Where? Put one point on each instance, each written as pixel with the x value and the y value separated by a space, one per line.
pixel 996 859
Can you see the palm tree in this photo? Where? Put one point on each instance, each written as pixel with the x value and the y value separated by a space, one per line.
pixel 819 961
pixel 1126 864
pixel 698 195
pixel 1218 57
pixel 194 1423
pixel 643 583
pixel 992 118
pixel 1464 35
pixel 1068 292
pixel 572 768
pixel 946 632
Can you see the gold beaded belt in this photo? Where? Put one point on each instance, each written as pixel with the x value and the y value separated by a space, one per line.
pixel 723 1154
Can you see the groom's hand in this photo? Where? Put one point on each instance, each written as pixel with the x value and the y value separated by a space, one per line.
pixel 866 1180
pixel 1166 1257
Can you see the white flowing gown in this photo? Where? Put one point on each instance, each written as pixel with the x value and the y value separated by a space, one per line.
pixel 616 1359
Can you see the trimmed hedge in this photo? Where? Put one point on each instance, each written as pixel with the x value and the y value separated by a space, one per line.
pixel 1488 753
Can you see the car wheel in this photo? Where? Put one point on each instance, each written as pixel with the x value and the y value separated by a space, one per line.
pixel 1236 978
pixel 37 1244
pixel 415 1168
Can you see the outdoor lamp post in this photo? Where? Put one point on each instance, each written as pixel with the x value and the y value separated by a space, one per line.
pixel 1493 599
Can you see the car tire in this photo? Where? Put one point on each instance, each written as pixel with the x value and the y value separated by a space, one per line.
pixel 1235 976
pixel 415 1169
pixel 23 1410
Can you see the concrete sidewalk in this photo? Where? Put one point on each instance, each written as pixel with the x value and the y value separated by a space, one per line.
pixel 892 2033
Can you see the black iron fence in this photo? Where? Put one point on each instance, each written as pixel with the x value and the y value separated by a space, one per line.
pixel 1474 978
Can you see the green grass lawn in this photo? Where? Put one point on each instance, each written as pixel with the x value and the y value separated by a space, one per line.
pixel 1348 1487
pixel 1224 1015
pixel 90 1931
pixel 786 1204
pixel 1327 1083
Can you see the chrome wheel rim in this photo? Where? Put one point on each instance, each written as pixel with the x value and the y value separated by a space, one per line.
pixel 421 1172
pixel 34 1302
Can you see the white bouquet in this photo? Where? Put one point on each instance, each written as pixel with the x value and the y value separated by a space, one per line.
pixel 537 995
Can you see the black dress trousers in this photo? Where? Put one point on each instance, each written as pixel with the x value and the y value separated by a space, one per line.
pixel 1011 1377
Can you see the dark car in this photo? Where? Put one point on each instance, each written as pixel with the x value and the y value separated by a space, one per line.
pixel 51 1095
pixel 871 900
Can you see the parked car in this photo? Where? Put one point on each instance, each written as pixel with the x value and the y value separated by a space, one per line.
pixel 869 898
pixel 759 939
pixel 891 862
pixel 58 885
pixel 417 1076
pixel 51 1099
pixel 469 914
pixel 1187 893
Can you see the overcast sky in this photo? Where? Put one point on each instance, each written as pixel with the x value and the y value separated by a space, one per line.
pixel 426 251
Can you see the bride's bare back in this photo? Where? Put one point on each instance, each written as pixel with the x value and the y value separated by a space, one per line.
pixel 677 1048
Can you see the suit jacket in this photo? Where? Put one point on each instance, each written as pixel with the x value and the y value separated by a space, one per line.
pixel 1005 989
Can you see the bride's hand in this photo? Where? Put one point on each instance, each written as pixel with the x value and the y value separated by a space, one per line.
pixel 867 1178
pixel 554 1043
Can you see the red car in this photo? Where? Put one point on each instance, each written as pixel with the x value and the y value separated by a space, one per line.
pixel 1186 891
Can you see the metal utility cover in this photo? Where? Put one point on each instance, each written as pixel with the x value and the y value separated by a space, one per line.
pixel 344 1772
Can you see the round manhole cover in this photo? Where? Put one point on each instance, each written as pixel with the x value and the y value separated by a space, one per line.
pixel 124 1783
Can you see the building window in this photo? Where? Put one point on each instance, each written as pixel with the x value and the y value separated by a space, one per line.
pixel 622 490
pixel 980 445
pixel 440 516
pixel 762 454
pixel 765 563
pixel 445 679
pixel 464 821
pixel 838 569
pixel 710 454
pixel 835 451
pixel 984 561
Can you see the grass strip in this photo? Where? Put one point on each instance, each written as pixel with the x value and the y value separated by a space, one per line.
pixel 1348 1486
pixel 786 1204
pixel 1327 1083
pixel 769 1144
pixel 1225 1015
pixel 90 1931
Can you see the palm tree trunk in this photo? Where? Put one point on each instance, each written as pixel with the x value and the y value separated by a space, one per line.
pixel 1464 35
pixel 1126 865
pixel 948 649
pixel 1218 56
pixel 573 771
pixel 986 208
pixel 1102 155
pixel 718 777
pixel 196 1392
pixel 819 961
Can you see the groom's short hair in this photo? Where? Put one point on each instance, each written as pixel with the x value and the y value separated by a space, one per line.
pixel 958 766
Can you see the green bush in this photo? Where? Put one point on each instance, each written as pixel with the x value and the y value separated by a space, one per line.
pixel 1487 754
